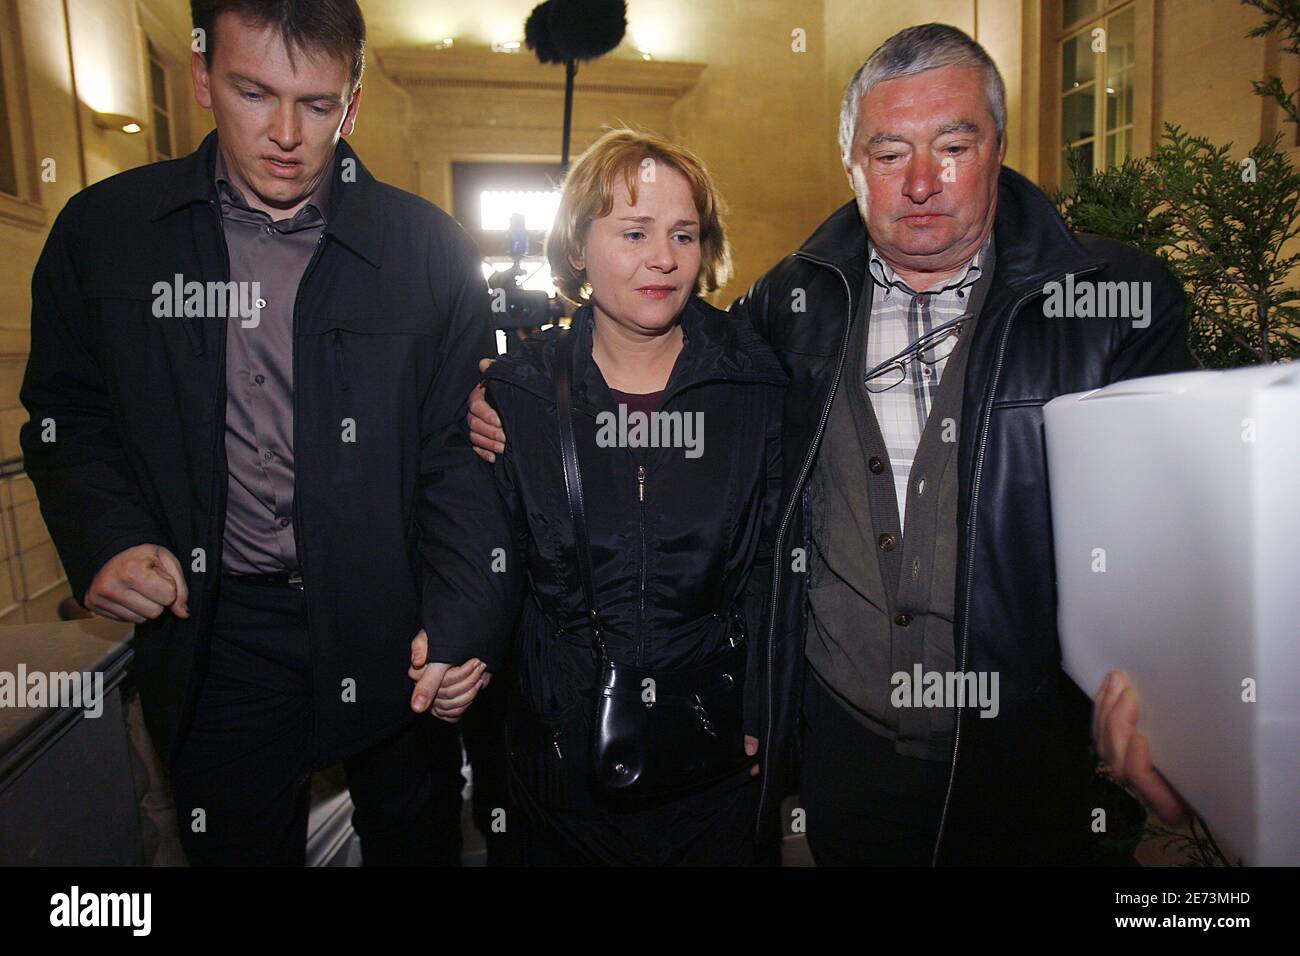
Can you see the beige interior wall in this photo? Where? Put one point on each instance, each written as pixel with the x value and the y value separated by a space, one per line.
pixel 382 135
pixel 756 117
pixel 1205 64
pixel 759 120
pixel 517 126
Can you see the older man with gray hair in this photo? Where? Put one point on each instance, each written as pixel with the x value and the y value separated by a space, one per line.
pixel 937 722
pixel 912 605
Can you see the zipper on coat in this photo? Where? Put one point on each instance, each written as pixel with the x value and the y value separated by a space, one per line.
pixel 970 551
pixel 640 601
pixel 778 548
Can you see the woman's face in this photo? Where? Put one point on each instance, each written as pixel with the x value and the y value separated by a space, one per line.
pixel 642 260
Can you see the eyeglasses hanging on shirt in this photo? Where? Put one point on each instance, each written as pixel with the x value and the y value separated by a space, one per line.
pixel 930 349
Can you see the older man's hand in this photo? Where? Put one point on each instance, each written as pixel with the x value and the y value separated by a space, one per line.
pixel 485 431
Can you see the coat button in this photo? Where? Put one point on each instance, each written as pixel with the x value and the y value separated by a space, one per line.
pixel 887 542
pixel 902 619
pixel 876 465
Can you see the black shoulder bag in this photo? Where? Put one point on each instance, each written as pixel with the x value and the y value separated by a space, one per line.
pixel 656 733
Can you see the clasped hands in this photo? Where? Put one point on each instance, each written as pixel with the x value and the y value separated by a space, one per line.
pixel 447 690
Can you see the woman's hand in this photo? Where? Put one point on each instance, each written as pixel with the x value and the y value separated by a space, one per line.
pixel 450 690
pixel 1126 751
pixel 459 687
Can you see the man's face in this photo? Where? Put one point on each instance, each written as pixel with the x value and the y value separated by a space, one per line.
pixel 924 167
pixel 278 121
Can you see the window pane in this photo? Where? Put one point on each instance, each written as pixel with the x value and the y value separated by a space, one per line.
pixel 1074 9
pixel 1078 62
pixel 1077 116
pixel 1119 100
pixel 1119 146
pixel 158 81
pixel 162 134
pixel 1119 41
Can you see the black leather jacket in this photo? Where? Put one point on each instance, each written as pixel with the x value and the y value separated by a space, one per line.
pixel 1023 784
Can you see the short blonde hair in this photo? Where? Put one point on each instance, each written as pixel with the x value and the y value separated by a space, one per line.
pixel 589 194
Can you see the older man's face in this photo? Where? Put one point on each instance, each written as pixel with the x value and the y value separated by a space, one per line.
pixel 924 166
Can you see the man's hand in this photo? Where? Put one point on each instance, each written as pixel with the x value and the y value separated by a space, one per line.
pixel 449 689
pixel 485 430
pixel 1126 751
pixel 138 584
pixel 751 750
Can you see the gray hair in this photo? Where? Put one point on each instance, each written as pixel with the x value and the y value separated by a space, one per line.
pixel 913 51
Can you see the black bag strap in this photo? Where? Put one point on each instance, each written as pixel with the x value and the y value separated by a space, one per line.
pixel 573 476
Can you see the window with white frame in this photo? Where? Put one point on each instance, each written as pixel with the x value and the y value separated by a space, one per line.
pixel 1098 58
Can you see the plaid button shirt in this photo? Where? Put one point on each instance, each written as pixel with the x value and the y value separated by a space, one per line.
pixel 899 316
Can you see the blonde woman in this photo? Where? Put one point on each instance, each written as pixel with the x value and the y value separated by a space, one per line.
pixel 637 695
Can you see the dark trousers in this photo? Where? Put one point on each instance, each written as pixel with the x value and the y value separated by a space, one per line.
pixel 865 804
pixel 242 778
pixel 482 730
pixel 710 827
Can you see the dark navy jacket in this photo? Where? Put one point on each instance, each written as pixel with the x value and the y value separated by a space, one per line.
pixel 392 317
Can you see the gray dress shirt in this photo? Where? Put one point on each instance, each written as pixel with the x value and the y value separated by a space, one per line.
pixel 259 534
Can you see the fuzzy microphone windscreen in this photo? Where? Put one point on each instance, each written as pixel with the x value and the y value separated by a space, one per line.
pixel 561 30
pixel 537 34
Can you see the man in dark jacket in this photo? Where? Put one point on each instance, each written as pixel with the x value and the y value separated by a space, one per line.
pixel 244 384
pixel 923 328
pixel 942 437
